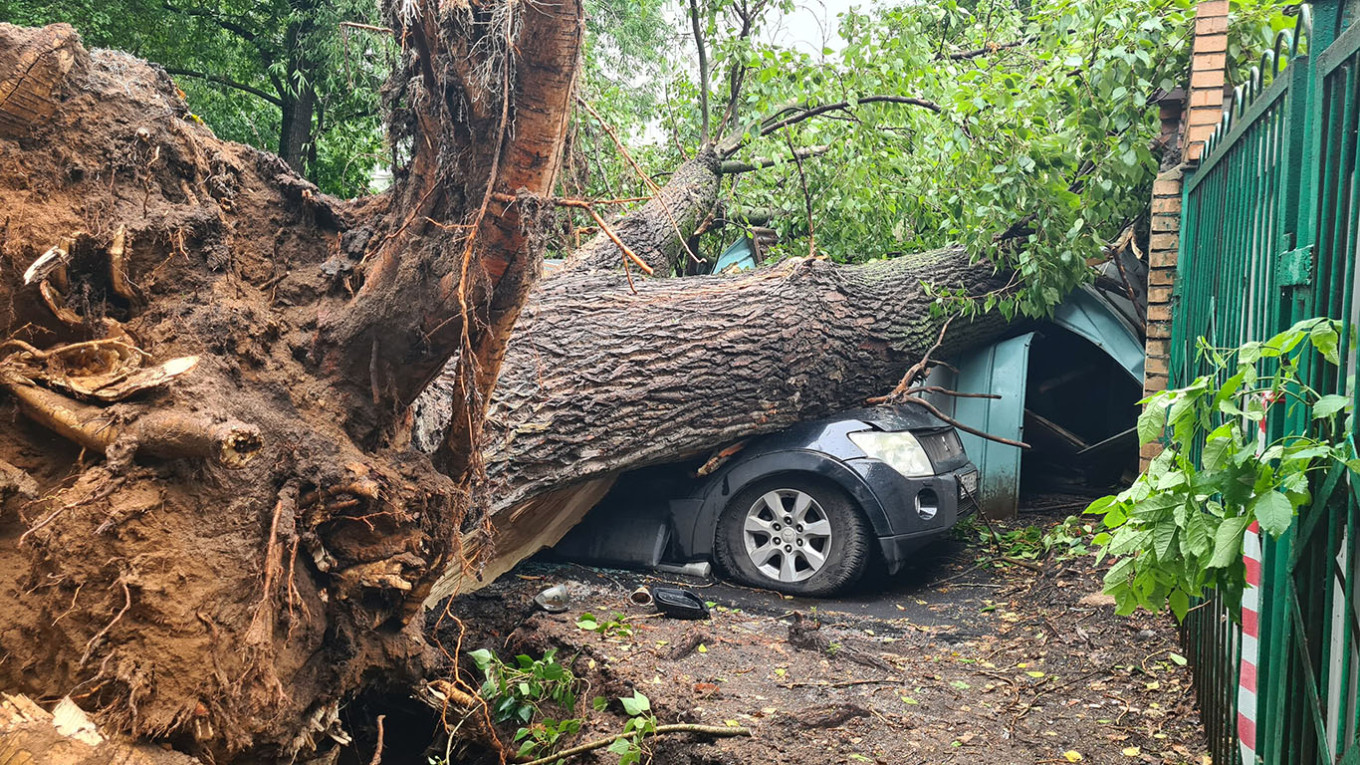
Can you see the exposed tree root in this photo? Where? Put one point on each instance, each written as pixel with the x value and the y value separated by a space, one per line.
pixel 168 595
pixel 167 434
pixel 30 735
pixel 106 370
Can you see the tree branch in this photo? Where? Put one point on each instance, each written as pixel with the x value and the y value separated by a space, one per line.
pixel 660 730
pixel 703 68
pixel 807 197
pixel 220 80
pixel 734 166
pixel 737 75
pixel 807 114
pixel 983 51
pixel 231 26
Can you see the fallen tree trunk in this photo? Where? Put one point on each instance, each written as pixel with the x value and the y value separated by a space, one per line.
pixel 600 379
pixel 604 376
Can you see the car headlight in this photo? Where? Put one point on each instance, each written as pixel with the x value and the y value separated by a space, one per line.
pixel 901 451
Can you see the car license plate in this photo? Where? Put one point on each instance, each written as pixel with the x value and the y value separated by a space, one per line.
pixel 969 482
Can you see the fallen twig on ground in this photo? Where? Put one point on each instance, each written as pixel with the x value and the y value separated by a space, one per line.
pixel 843 684
pixel 715 731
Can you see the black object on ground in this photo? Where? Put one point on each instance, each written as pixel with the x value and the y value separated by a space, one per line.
pixel 678 603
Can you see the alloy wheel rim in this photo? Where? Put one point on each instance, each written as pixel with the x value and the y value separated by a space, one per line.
pixel 787 535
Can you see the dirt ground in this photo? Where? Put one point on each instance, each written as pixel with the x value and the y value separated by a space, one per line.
pixel 961 659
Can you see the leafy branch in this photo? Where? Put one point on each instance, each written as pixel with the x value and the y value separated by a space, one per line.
pixel 1178 529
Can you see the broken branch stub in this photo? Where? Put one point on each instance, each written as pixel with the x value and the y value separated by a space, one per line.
pixel 56 257
pixel 168 434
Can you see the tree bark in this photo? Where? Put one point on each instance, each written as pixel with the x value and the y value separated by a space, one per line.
pixel 599 379
pixel 657 231
pixel 295 128
pixel 296 136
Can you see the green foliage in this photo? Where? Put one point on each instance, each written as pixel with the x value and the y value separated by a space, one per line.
pixel 614 627
pixel 515 691
pixel 1179 528
pixel 641 724
pixel 1068 539
pixel 544 737
pixel 1044 134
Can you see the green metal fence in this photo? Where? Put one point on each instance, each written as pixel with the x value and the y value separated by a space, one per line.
pixel 1269 236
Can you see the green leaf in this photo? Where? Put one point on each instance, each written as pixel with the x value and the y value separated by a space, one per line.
pixel 1228 542
pixel 1163 535
pixel 1329 405
pixel 636 704
pixel 1101 505
pixel 482 658
pixel 1180 603
pixel 1326 339
pixel 1176 659
pixel 1151 422
pixel 1217 446
pixel 1115 517
pixel 1197 537
pixel 1273 511
pixel 599 703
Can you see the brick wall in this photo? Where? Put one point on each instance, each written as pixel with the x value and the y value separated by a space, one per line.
pixel 1205 109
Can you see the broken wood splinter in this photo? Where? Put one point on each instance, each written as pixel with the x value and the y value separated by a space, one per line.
pixel 107 370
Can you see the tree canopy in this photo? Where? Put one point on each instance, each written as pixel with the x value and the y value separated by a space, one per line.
pixel 1025 123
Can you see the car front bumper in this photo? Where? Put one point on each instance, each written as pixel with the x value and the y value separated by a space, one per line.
pixel 919 510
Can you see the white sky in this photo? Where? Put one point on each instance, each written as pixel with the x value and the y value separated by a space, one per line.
pixel 812 25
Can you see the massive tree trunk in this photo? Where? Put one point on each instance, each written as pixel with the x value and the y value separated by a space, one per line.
pixel 602 376
pixel 296 134
pixel 600 379
pixel 211 529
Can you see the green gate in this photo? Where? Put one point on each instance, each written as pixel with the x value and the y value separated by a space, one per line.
pixel 1269 236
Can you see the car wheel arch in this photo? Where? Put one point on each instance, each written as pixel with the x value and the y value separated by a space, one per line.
pixel 831 554
pixel 697 532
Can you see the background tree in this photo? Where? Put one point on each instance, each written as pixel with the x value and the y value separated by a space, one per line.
pixel 281 75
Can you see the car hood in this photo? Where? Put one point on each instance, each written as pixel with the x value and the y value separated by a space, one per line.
pixel 894 418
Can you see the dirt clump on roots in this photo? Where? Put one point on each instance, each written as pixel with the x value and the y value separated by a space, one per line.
pixel 253 563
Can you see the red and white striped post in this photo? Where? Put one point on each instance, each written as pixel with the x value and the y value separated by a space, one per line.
pixel 1251 646
pixel 1251 619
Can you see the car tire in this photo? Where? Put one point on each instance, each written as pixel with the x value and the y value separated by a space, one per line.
pixel 804 561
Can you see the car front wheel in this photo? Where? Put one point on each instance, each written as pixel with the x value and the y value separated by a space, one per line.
pixel 793 534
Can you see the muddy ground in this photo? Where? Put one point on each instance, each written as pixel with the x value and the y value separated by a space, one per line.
pixel 961 659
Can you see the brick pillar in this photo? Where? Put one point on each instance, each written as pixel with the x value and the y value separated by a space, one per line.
pixel 1163 246
pixel 1208 62
pixel 1205 102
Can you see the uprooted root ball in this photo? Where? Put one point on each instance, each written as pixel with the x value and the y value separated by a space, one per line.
pixel 192 542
